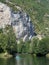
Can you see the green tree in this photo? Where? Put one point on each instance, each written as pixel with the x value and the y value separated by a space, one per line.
pixel 3 41
pixel 12 44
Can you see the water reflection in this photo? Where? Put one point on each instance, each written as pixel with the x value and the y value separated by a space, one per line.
pixel 10 61
pixel 25 59
pixel 31 60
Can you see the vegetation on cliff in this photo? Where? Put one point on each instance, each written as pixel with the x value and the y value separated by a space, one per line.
pixel 9 44
pixel 39 13
pixel 8 40
pixel 38 10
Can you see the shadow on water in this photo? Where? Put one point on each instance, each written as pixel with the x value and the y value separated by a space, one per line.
pixel 25 59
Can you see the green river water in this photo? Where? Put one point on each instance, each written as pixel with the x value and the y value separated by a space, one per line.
pixel 25 59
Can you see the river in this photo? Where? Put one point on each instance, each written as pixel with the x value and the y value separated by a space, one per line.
pixel 25 59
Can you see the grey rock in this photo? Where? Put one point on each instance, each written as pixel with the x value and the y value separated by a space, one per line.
pixel 22 25
pixel 20 21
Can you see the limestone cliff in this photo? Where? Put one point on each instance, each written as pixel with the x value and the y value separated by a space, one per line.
pixel 20 21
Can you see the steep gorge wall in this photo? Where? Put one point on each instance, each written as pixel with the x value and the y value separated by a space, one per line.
pixel 20 21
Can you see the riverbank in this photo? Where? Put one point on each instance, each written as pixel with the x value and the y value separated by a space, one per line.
pixel 5 55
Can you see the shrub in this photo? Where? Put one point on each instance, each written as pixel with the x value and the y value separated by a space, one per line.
pixel 12 44
pixel 8 40
pixel 23 47
pixel 3 41
pixel 19 46
pixel 40 46
pixel 34 44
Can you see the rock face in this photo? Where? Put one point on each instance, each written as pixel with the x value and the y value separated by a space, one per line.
pixel 22 26
pixel 5 15
pixel 20 21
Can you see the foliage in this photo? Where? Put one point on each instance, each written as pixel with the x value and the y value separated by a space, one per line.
pixel 40 46
pixel 1 30
pixel 2 1
pixel 34 44
pixel 3 41
pixel 12 44
pixel 45 41
pixel 27 46
pixel 23 47
pixel 8 40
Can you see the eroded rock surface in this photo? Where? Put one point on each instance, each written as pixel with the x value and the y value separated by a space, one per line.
pixel 5 15
pixel 22 26
pixel 20 21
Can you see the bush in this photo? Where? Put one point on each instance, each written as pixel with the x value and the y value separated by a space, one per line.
pixel 3 41
pixel 40 46
pixel 8 43
pixel 19 46
pixel 1 50
pixel 34 45
pixel 23 47
pixel 45 41
pixel 1 30
pixel 27 46
pixel 12 44
pixel 8 40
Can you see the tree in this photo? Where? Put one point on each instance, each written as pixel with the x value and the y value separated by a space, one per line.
pixel 12 44
pixel 3 41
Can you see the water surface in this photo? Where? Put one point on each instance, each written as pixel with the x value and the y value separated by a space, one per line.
pixel 25 59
